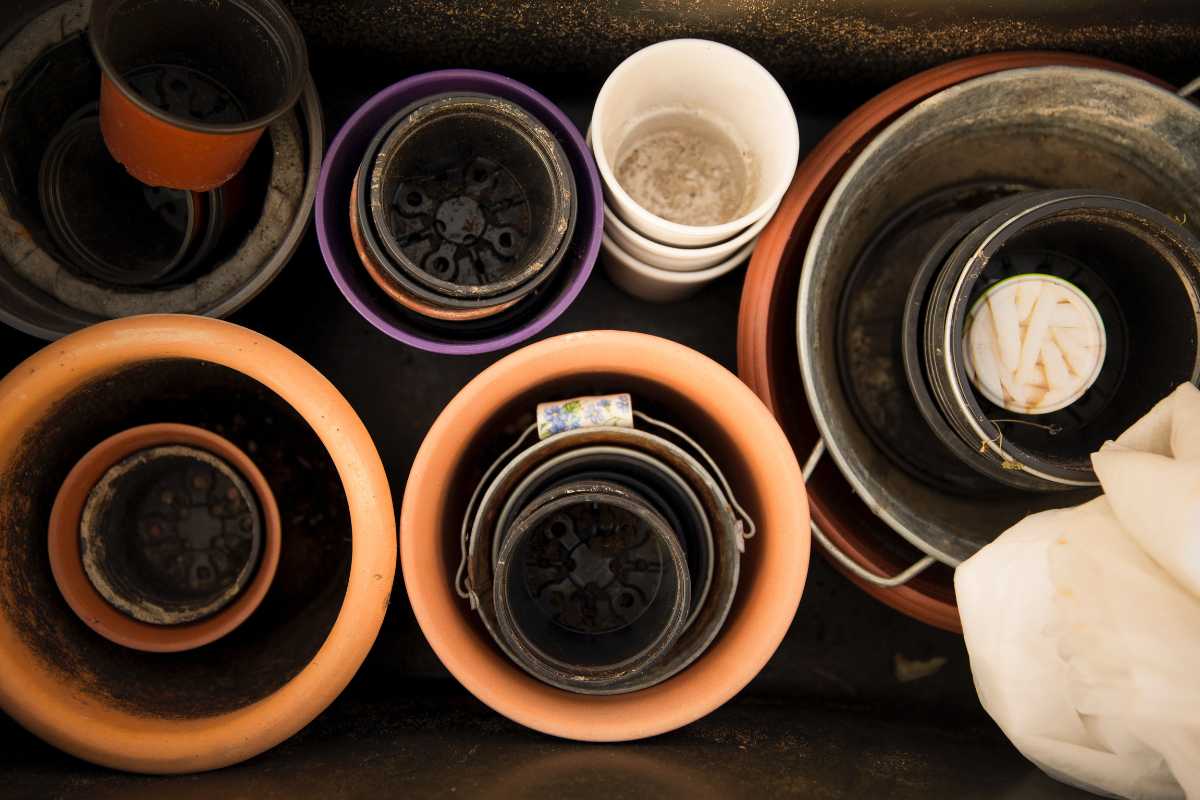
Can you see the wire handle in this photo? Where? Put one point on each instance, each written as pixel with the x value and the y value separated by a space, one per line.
pixel 745 526
pixel 850 564
pixel 1190 89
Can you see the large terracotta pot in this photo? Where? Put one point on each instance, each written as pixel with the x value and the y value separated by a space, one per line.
pixel 257 685
pixel 767 357
pixel 699 396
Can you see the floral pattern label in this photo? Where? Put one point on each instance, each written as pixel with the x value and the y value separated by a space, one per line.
pixel 610 410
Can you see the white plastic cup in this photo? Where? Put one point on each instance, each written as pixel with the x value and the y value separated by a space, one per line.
pixel 662 285
pixel 717 87
pixel 678 259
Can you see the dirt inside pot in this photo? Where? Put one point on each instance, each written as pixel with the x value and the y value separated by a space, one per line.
pixel 686 168
pixel 300 608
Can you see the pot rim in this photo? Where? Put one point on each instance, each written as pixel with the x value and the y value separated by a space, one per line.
pixel 673 277
pixel 49 706
pixel 290 30
pixel 986 240
pixel 65 551
pixel 683 257
pixel 769 593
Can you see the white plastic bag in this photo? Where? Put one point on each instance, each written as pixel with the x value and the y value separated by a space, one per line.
pixel 1083 625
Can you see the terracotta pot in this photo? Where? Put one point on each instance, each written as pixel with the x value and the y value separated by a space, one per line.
pixel 767 358
pixel 701 397
pixel 198 127
pixel 97 610
pixel 258 684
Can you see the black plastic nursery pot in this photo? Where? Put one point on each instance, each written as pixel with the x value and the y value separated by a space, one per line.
pixel 1141 271
pixel 472 197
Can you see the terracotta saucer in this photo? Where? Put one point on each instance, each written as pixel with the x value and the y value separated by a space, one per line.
pixel 111 607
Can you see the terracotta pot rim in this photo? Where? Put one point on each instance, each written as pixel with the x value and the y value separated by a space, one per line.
pixel 51 708
pixel 767 263
pixel 65 556
pixel 768 595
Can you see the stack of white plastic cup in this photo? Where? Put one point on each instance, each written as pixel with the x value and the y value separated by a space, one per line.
pixel 696 144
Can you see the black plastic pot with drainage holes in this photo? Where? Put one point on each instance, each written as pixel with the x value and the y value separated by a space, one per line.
pixel 1139 268
pixel 471 198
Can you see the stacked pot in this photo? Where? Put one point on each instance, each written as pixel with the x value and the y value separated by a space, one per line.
pixel 696 143
pixel 906 250
pixel 221 543
pixel 621 510
pixel 136 171
pixel 459 211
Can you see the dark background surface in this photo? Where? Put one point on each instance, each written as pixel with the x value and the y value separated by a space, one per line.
pixel 828 717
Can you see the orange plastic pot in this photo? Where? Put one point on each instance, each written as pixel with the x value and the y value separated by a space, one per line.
pixel 66 560
pixel 257 685
pixel 767 357
pixel 160 153
pixel 219 72
pixel 697 395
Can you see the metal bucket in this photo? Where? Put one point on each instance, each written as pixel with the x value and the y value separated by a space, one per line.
pixel 1048 127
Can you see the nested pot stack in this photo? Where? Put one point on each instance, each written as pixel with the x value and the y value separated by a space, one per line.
pixel 944 453
pixel 138 178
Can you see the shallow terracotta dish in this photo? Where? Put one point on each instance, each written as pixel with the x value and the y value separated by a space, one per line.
pixel 767 358
pixel 67 564
pixel 700 396
pixel 257 685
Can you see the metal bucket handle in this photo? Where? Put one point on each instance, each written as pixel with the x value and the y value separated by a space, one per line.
pixel 746 528
pixel 846 561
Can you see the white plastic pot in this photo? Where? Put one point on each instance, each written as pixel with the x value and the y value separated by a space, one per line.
pixel 662 285
pixel 727 89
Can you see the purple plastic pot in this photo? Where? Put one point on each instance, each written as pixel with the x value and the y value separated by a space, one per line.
pixel 333 199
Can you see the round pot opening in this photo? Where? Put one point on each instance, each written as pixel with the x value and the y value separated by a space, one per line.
pixel 386 309
pixel 296 612
pixel 1137 270
pixel 956 138
pixel 667 383
pixel 243 234
pixel 591 585
pixel 164 537
pixel 222 67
